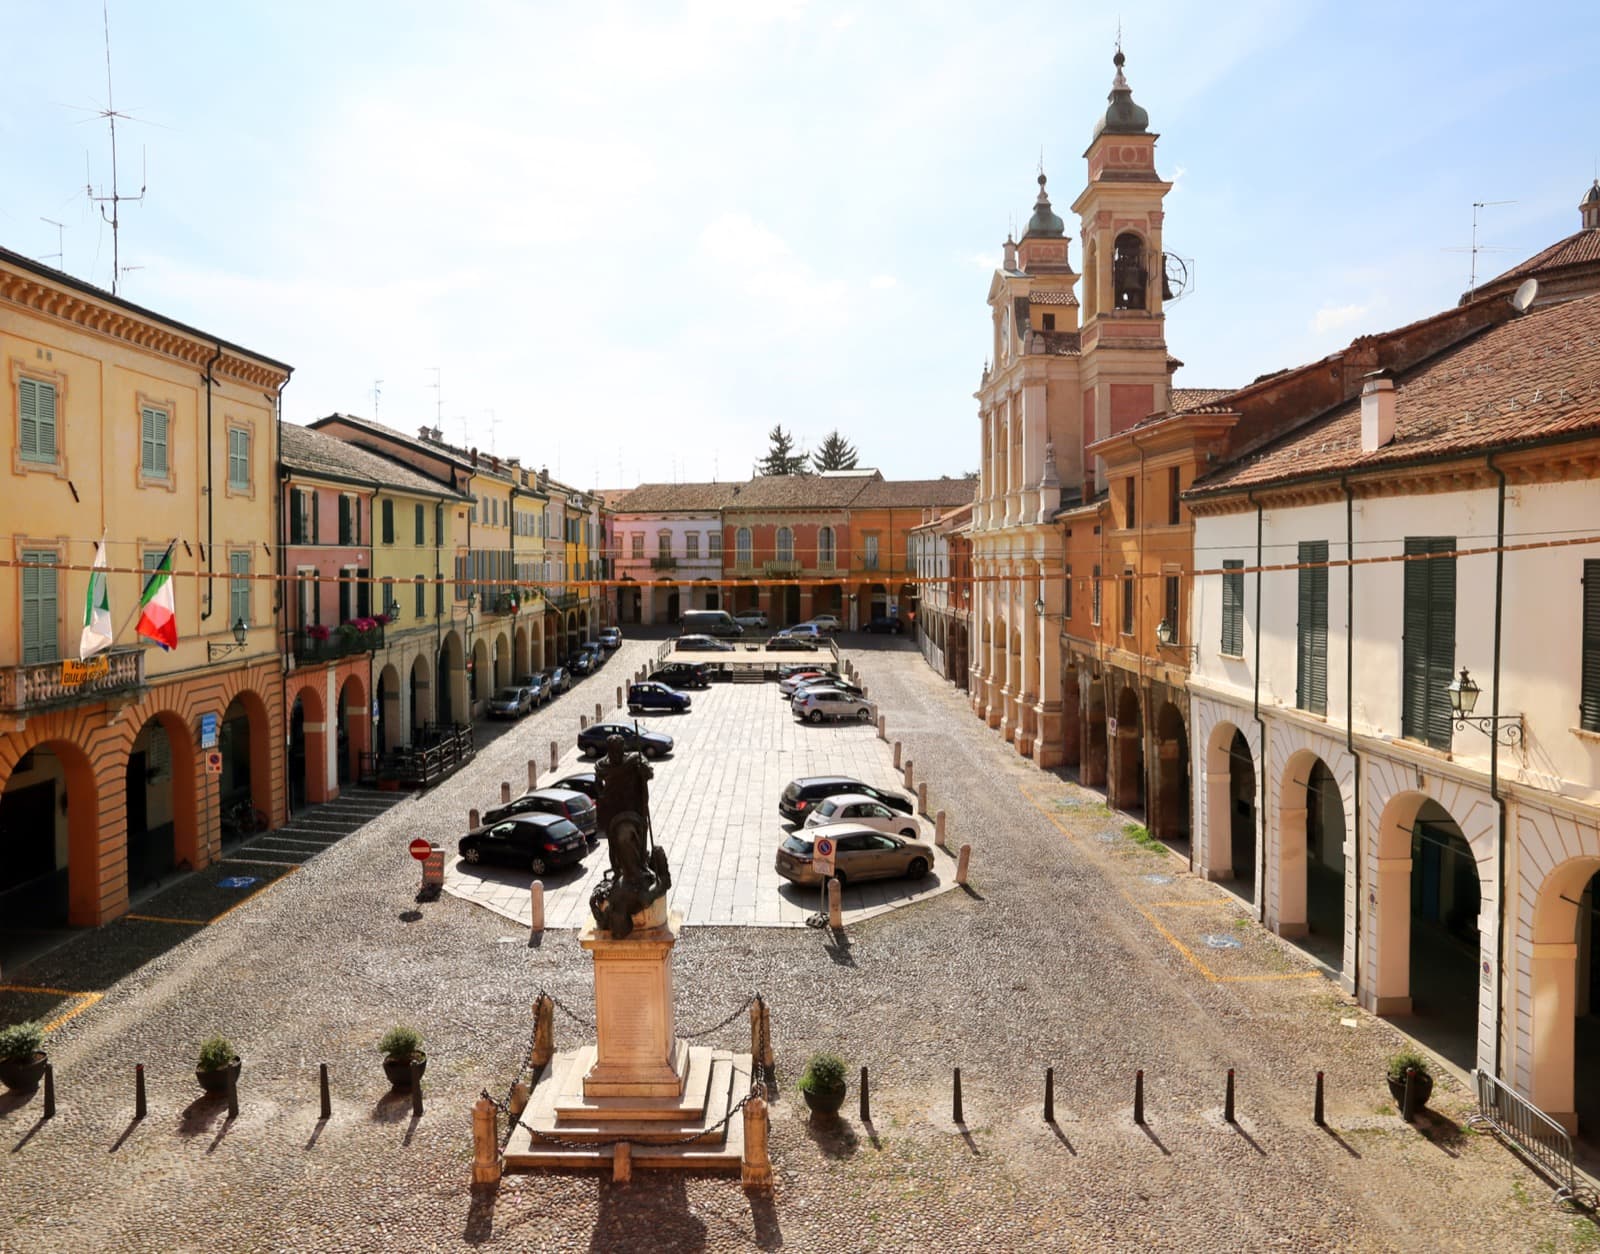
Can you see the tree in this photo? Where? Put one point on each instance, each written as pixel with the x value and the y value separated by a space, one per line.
pixel 781 458
pixel 835 454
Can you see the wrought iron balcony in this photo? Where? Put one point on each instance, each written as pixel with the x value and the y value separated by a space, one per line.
pixel 783 566
pixel 342 641
pixel 45 685
pixel 663 563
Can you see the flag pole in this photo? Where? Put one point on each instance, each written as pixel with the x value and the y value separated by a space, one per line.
pixel 148 576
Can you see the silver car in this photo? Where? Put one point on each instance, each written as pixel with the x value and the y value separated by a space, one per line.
pixel 816 704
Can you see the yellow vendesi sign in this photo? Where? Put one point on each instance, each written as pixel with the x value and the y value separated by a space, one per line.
pixel 74 672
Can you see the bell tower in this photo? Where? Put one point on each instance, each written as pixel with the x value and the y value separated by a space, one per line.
pixel 1125 363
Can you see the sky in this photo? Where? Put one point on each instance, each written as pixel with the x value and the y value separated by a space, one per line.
pixel 625 240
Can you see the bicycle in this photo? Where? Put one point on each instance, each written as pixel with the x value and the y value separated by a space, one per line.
pixel 243 818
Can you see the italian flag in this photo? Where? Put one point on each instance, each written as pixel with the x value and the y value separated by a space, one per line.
pixel 158 612
pixel 97 631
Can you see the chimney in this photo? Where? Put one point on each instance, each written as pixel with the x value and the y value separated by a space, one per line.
pixel 1010 253
pixel 424 433
pixel 1377 412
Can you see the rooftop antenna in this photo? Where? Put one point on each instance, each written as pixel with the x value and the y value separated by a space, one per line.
pixel 1476 248
pixel 438 400
pixel 59 254
pixel 115 199
pixel 377 391
pixel 493 423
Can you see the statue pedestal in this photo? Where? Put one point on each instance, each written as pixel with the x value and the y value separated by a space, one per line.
pixel 637 1054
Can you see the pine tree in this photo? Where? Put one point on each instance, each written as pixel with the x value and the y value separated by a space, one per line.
pixel 781 458
pixel 836 453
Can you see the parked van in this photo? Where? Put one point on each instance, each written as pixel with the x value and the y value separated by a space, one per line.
pixel 709 623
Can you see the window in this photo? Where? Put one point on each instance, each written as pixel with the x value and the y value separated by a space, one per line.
pixel 239 588
pixel 1066 595
pixel 691 545
pixel 36 418
pixel 785 545
pixel 421 601
pixel 1173 488
pixel 239 459
pixel 1233 607
pixel 1049 322
pixel 1589 699
pixel 388 604
pixel 825 547
pixel 714 545
pixel 869 557
pixel 1094 598
pixel 364 590
pixel 306 600
pixel 1170 607
pixel 438 526
pixel 39 626
pixel 1129 512
pixel 299 516
pixel 1428 649
pixel 664 545
pixel 347 579
pixel 1311 667
pixel 421 531
pixel 1127 272
pixel 153 443
pixel 741 547
pixel 388 521
pixel 349 519
pixel 638 544
pixel 1127 601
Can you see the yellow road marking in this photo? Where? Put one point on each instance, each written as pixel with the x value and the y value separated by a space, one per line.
pixel 1190 905
pixel 157 918
pixel 1173 940
pixel 89 999
pixel 1293 975
pixel 86 1000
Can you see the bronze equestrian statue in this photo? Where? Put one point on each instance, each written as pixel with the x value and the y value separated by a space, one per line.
pixel 639 872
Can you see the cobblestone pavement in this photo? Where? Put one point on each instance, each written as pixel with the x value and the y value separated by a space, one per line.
pixel 1061 954
pixel 714 806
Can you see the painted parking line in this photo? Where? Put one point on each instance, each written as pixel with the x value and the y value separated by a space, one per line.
pixel 85 1000
pixel 158 918
pixel 161 918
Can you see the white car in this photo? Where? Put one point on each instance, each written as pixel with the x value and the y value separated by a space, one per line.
pixel 852 807
pixel 754 619
pixel 823 622
pixel 817 704
pixel 802 678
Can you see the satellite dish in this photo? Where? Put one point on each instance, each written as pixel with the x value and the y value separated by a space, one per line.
pixel 1525 295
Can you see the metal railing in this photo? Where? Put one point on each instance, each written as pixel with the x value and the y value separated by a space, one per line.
pixel 41 685
pixel 1539 1138
pixel 337 643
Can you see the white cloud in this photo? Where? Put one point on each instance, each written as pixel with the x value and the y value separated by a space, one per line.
pixel 882 282
pixel 1333 317
pixel 986 261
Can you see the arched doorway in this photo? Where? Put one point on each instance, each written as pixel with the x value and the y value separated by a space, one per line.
pixel 1071 704
pixel 480 675
pixel 1096 752
pixel 674 605
pixel 159 793
pixel 307 758
pixel 502 660
pixel 878 601
pixel 1311 835
pixel 1564 971
pixel 49 842
pixel 450 705
pixel 523 660
pixel 583 625
pixel 1128 778
pixel 387 735
pixel 1170 820
pixel 420 700
pixel 242 739
pixel 353 716
pixel 1428 946
pixel 572 641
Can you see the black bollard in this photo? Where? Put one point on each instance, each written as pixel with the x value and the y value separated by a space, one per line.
pixel 1138 1097
pixel 49 1090
pixel 1227 1103
pixel 1049 1094
pixel 1408 1104
pixel 416 1086
pixel 327 1100
pixel 866 1104
pixel 139 1108
pixel 233 1093
pixel 1320 1121
pixel 955 1113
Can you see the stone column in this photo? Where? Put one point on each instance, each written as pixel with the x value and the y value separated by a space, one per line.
pixel 1032 451
pixel 1391 956
pixel 1554 971
pixel 1290 916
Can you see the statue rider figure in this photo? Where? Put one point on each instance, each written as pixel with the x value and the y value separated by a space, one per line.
pixel 637 875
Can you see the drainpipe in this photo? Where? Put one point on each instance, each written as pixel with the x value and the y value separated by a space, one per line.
pixel 211 510
pixel 1261 728
pixel 1350 706
pixel 1494 769
pixel 1147 723
pixel 280 601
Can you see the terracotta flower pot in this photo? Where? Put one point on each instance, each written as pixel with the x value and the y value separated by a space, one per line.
pixel 1424 1083
pixel 216 1081
pixel 22 1075
pixel 825 1101
pixel 399 1070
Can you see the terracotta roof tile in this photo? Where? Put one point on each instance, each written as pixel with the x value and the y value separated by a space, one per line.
pixel 916 493
pixel 1052 296
pixel 666 498
pixel 1531 378
pixel 314 452
pixel 439 449
pixel 1190 400
pixel 1578 249
pixel 796 492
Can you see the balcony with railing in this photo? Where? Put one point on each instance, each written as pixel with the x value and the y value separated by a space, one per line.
pixel 323 644
pixel 663 563
pixel 48 685
pixel 782 566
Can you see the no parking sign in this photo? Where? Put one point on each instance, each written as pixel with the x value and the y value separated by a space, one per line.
pixel 822 856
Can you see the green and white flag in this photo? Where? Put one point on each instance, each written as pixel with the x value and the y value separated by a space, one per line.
pixel 96 609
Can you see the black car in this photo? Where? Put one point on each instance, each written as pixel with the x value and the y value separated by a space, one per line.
pixel 803 794
pixel 585 782
pixel 891 626
pixel 538 685
pixel 791 644
pixel 558 679
pixel 576 807
pixel 682 675
pixel 540 842
pixel 592 739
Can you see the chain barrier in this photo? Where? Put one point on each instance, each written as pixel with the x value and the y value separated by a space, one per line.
pixel 717 1027
pixel 567 1010
pixel 504 1107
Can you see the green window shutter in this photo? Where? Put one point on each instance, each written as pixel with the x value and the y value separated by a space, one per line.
pixel 39 626
pixel 36 420
pixel 1311 670
pixel 388 521
pixel 419 527
pixel 238 458
pixel 153 442
pixel 239 593
pixel 316 516
pixel 421 597
pixel 1429 646
pixel 1233 607
pixel 1589 698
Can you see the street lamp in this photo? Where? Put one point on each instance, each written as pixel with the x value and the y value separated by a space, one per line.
pixel 1167 638
pixel 1464 699
pixel 214 651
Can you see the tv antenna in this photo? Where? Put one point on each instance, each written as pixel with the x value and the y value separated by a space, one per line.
pixel 377 391
pixel 1476 248
pixel 438 400
pixel 493 423
pixel 60 253
pixel 115 199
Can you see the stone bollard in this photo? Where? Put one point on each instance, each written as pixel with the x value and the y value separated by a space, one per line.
pixel 472 820
pixel 533 774
pixel 883 728
pixel 835 909
pixel 505 791
pixel 621 1163
pixel 485 1144
pixel 866 691
pixel 544 1031
pixel 1317 1115
pixel 536 895
pixel 897 755
pixel 140 1107
pixel 963 860
pixel 922 798
pixel 760 1034
pixel 755 1169
pixel 599 711
pixel 911 773
pixel 520 1093
pixel 938 829
pixel 325 1111
pixel 583 722
pixel 555 756
pixel 619 696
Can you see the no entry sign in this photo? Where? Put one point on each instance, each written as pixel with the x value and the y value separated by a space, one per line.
pixel 420 849
pixel 822 855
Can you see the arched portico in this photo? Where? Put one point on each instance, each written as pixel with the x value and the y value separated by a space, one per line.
pixel 161 801
pixel 522 661
pixel 1169 817
pixel 421 694
pixel 388 735
pixel 1310 863
pixel 1564 1080
pixel 502 659
pixel 1096 749
pixel 50 837
pixel 1072 723
pixel 1127 780
pixel 354 725
pixel 1231 829
pixel 450 704
pixel 480 675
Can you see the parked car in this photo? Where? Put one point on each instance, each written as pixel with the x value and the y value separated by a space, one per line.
pixel 702 644
pixel 581 662
pixel 540 842
pixel 575 807
pixel 509 703
pixel 804 675
pixel 807 628
pixel 657 697
pixel 682 675
pixel 863 811
pixel 596 651
pixel 784 642
pixel 824 622
pixel 751 618
pixel 538 685
pixel 710 623
pixel 592 739
pixel 611 637
pixel 789 669
pixel 859 854
pixel 889 626
pixel 585 782
pixel 826 681
pixel 802 794
pixel 558 680
pixel 824 703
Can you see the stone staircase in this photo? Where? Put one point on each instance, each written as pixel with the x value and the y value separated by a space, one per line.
pixel 313 829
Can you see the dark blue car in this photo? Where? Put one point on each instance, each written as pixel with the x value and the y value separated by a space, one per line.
pixel 656 697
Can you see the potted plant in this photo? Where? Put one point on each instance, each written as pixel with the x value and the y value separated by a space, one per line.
pixel 823 1083
pixel 1399 1064
pixel 21 1060
pixel 217 1059
pixel 399 1046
